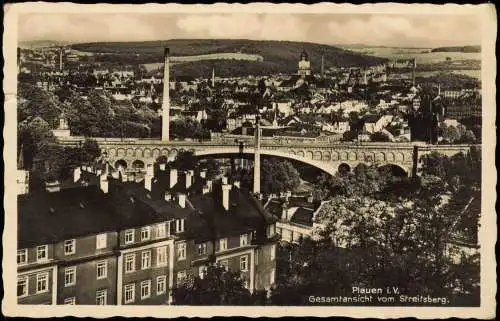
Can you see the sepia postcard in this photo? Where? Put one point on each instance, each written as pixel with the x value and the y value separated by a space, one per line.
pixel 249 160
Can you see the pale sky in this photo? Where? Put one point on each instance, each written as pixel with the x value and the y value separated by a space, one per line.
pixel 369 29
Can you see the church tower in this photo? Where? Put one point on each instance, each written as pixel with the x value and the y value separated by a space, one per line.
pixel 304 65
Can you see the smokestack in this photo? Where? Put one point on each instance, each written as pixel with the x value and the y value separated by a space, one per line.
pixel 256 164
pixel 61 60
pixel 182 200
pixel 322 66
pixel 225 196
pixel 165 128
pixel 213 77
pixel 173 177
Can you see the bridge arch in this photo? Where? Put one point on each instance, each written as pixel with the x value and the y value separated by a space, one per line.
pixel 397 170
pixel 327 167
pixel 121 163
pixel 138 164
pixel 344 168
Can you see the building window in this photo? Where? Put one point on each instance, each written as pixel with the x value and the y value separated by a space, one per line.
pixel 41 253
pixel 22 286
pixel 70 276
pixel 22 256
pixel 102 270
pixel 243 263
pixel 69 247
pixel 272 276
pixel 243 239
pixel 202 249
pixel 161 230
pixel 42 282
pixel 145 233
pixel 145 260
pixel 161 256
pixel 181 277
pixel 202 271
pixel 129 236
pixel 223 244
pixel 129 263
pixel 161 284
pixel 70 301
pixel 101 241
pixel 101 297
pixel 145 289
pixel 181 251
pixel 179 226
pixel 273 252
pixel 130 293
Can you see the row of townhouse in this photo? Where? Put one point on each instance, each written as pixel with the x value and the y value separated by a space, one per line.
pixel 125 242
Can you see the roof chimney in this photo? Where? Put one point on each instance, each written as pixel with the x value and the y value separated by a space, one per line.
pixel 182 200
pixel 168 196
pixel 203 173
pixel 224 180
pixel 148 179
pixel 77 173
pixel 225 196
pixel 206 189
pixel 150 170
pixel 284 211
pixel 104 184
pixel 173 177
pixel 209 184
pixel 189 178
pixel 162 167
pixel 236 184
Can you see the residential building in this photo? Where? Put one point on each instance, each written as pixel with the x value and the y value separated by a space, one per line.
pixel 122 241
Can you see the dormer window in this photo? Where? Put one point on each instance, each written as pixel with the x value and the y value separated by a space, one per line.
pixel 145 233
pixel 42 253
pixel 69 247
pixel 243 239
pixel 22 256
pixel 179 226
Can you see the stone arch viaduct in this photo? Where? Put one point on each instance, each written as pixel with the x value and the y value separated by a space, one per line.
pixel 326 156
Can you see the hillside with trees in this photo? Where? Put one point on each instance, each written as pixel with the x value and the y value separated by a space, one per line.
pixel 279 56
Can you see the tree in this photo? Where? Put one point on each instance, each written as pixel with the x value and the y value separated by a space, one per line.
pixel 278 176
pixel 33 135
pixel 379 137
pixel 90 150
pixel 216 287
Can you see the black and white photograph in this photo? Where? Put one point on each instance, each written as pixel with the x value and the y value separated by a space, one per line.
pixel 258 158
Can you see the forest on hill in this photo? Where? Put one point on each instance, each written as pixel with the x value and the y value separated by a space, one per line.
pixel 458 49
pixel 279 56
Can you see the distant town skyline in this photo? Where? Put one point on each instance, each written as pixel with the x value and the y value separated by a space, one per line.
pixel 418 31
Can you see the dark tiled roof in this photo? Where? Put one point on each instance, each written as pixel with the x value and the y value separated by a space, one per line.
pixel 46 217
pixel 303 216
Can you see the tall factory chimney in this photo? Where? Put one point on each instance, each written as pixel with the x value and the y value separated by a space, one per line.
pixel 413 71
pixel 256 165
pixel 322 66
pixel 61 59
pixel 165 126
pixel 213 77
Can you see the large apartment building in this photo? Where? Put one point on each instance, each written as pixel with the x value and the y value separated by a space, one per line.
pixel 125 240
